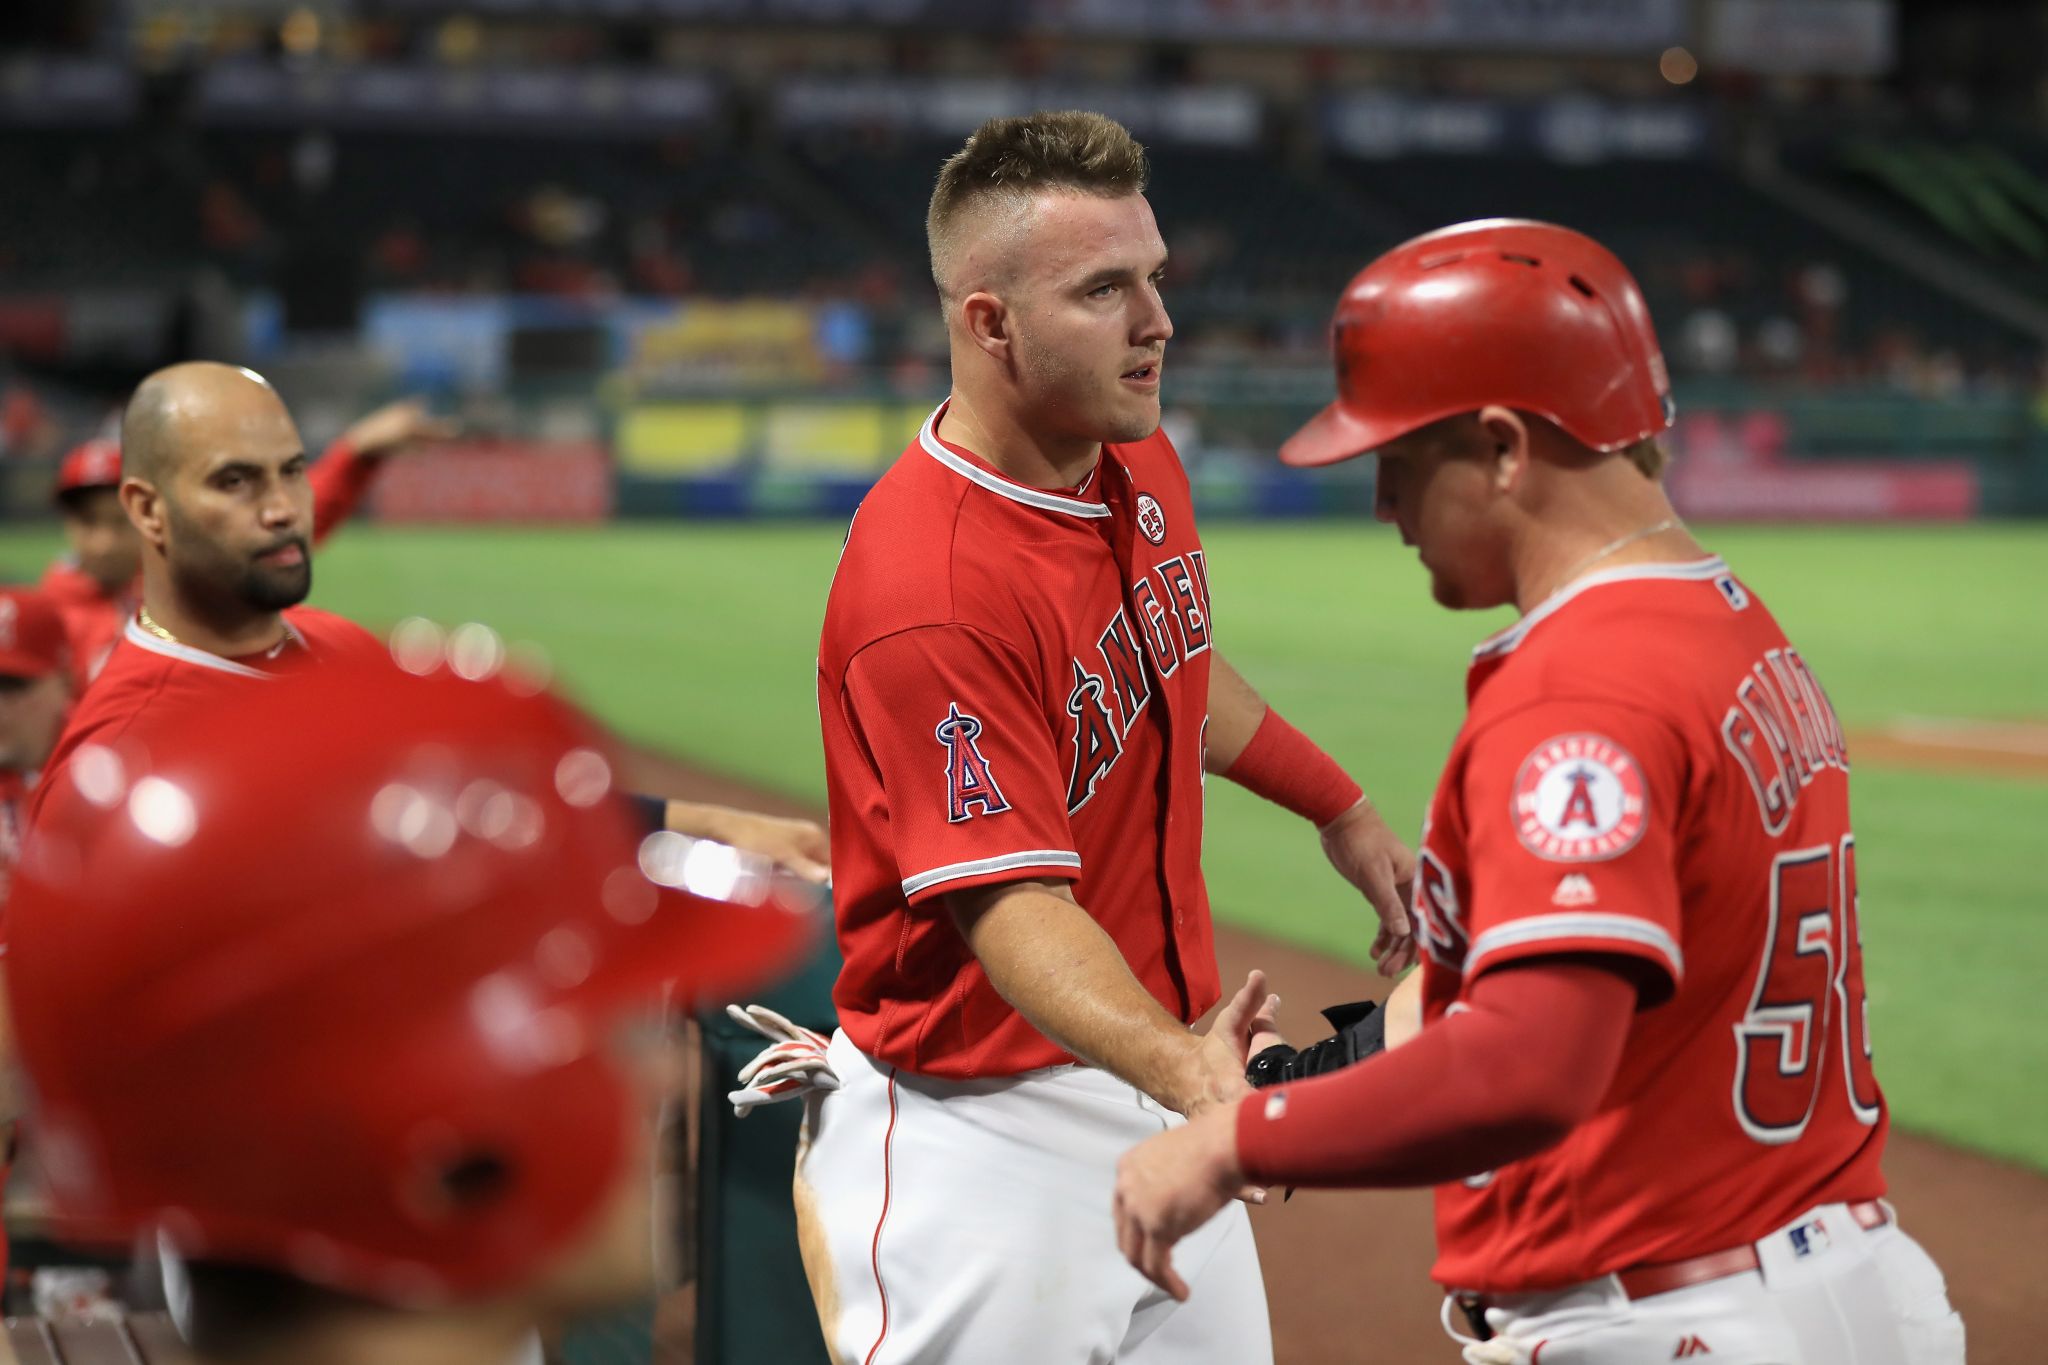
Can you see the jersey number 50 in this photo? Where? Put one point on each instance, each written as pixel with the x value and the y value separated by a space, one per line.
pixel 1808 1015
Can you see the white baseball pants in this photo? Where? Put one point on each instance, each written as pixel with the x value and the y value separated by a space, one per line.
pixel 1828 1292
pixel 969 1221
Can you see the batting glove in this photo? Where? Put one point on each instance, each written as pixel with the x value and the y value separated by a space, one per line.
pixel 793 1065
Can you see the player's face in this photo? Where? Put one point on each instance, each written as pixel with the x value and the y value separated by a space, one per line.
pixel 1089 326
pixel 238 517
pixel 1437 487
pixel 629 1247
pixel 102 539
pixel 31 714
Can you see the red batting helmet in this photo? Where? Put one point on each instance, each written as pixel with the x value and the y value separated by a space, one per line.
pixel 1524 314
pixel 321 978
pixel 92 464
pixel 32 639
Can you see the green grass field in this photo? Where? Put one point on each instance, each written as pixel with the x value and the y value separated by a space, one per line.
pixel 701 639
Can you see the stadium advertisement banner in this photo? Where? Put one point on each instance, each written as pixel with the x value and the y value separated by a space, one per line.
pixel 1804 37
pixel 1571 131
pixel 1739 466
pixel 1212 115
pixel 406 96
pixel 497 479
pixel 1546 26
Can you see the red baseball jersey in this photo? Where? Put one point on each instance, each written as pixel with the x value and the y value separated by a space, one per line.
pixel 14 789
pixel 92 616
pixel 1013 683
pixel 1649 769
pixel 146 675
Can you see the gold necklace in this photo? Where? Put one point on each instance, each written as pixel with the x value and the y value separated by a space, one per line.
pixel 148 623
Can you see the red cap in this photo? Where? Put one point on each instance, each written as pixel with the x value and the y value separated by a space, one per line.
pixel 94 464
pixel 1523 314
pixel 359 930
pixel 32 639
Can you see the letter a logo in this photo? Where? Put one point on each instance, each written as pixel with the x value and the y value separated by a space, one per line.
pixel 1690 1347
pixel 969 784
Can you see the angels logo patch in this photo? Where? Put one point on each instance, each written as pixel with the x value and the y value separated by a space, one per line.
pixel 1579 798
pixel 1151 519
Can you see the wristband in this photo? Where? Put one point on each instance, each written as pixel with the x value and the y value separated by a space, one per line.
pixel 1287 768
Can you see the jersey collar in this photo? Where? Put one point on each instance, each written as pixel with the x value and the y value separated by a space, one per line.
pixel 184 653
pixel 995 483
pixel 1696 571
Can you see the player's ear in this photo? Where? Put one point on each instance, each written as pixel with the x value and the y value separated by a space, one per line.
pixel 145 508
pixel 1506 442
pixel 987 320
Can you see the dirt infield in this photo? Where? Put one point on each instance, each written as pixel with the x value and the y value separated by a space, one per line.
pixel 2002 748
pixel 1347 1273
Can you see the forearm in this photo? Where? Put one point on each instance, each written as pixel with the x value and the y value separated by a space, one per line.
pixel 1235 710
pixel 1475 1091
pixel 1055 966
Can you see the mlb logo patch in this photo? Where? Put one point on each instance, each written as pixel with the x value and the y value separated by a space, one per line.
pixel 1730 589
pixel 1809 1239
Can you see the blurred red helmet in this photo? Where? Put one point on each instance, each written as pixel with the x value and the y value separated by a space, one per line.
pixel 32 639
pixel 324 980
pixel 93 464
pixel 1523 314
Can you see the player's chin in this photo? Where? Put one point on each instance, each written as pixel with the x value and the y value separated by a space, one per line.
pixel 1132 419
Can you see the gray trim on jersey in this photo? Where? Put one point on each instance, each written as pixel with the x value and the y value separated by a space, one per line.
pixel 1006 862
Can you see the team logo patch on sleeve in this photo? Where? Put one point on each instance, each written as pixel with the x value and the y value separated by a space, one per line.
pixel 970 787
pixel 1151 519
pixel 1579 798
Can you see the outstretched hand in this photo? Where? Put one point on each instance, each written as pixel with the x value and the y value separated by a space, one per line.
pixel 398 427
pixel 1372 858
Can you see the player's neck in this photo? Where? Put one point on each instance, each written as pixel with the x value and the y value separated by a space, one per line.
pixel 1598 534
pixel 228 629
pixel 995 434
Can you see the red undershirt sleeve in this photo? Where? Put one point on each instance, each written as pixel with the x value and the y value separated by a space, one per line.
pixel 340 478
pixel 1527 1057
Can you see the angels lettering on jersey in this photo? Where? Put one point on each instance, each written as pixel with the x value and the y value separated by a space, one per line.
pixel 1110 685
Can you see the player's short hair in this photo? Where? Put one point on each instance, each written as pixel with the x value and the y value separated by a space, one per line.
pixel 1649 456
pixel 1013 158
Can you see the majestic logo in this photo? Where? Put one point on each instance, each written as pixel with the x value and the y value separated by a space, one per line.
pixel 1579 798
pixel 1151 519
pixel 1574 889
pixel 969 783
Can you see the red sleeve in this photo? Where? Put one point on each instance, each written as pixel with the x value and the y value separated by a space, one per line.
pixel 340 478
pixel 1505 1075
pixel 1570 811
pixel 952 723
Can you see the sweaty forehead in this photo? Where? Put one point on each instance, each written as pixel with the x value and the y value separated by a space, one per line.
pixel 1066 236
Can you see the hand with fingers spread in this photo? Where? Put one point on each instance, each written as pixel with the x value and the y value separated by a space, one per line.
pixel 1215 1074
pixel 792 1066
pixel 1373 858
pixel 1168 1186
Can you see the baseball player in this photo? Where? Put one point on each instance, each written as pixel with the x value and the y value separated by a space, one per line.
pixel 95 585
pixel 221 498
pixel 348 997
pixel 1021 691
pixel 34 691
pixel 1643 1087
